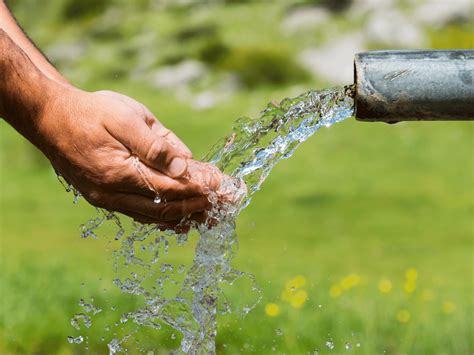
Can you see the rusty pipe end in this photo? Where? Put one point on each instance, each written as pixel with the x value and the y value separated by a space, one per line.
pixel 414 85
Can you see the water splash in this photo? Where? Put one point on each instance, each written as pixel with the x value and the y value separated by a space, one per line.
pixel 248 154
pixel 257 145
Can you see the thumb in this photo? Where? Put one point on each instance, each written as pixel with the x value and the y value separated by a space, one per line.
pixel 153 150
pixel 161 155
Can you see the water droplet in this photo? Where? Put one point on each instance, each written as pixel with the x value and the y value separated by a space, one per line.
pixel 181 268
pixel 279 332
pixel 79 318
pixel 157 199
pixel 119 234
pixel 166 267
pixel 114 346
pixel 173 336
pixel 348 346
pixel 77 196
pixel 358 345
pixel 330 344
pixel 77 340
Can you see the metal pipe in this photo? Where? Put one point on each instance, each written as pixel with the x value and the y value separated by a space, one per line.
pixel 414 85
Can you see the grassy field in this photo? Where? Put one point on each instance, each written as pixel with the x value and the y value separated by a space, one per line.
pixel 355 208
pixel 363 240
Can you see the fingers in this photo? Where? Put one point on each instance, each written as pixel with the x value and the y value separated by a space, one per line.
pixel 162 131
pixel 149 182
pixel 137 205
pixel 205 174
pixel 153 151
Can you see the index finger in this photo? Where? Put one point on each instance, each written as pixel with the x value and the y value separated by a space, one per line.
pixel 160 212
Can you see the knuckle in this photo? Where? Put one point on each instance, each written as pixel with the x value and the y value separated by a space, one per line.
pixel 128 112
pixel 164 213
pixel 156 150
pixel 96 198
pixel 163 131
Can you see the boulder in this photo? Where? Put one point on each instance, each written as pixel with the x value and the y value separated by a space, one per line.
pixel 179 75
pixel 333 62
pixel 436 13
pixel 304 18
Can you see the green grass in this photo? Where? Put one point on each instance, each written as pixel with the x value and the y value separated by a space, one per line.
pixel 358 198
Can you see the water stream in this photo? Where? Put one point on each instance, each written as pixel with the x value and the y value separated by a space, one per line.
pixel 189 299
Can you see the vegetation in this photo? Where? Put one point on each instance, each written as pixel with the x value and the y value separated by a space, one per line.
pixel 363 237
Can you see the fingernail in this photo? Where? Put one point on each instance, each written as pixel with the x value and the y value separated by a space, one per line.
pixel 177 167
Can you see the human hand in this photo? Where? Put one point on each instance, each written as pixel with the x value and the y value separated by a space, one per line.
pixel 119 156
pixel 110 147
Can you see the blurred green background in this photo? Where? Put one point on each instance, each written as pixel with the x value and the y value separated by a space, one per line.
pixel 363 238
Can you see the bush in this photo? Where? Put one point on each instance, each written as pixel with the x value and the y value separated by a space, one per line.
pixel 196 32
pixel 256 66
pixel 75 9
pixel 213 51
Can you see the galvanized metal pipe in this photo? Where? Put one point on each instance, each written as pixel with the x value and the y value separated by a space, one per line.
pixel 414 85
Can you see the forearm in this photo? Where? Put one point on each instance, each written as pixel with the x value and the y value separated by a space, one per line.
pixel 24 90
pixel 10 26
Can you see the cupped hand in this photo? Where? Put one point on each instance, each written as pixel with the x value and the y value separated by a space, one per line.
pixel 120 157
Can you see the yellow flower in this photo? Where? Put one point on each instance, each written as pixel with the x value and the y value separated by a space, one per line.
pixel 409 286
pixel 292 292
pixel 385 286
pixel 272 309
pixel 299 299
pixel 427 295
pixel 411 274
pixel 350 281
pixel 297 282
pixel 403 316
pixel 335 291
pixel 448 307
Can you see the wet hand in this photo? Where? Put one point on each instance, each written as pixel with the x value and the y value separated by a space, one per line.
pixel 119 156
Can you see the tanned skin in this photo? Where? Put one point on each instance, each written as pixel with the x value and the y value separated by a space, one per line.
pixel 107 145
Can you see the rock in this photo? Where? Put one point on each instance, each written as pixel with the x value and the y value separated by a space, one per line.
pixel 224 89
pixel 334 61
pixel 179 75
pixel 438 13
pixel 363 6
pixel 303 18
pixel 393 28
pixel 205 100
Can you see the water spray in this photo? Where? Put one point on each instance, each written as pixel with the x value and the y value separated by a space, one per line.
pixel 414 85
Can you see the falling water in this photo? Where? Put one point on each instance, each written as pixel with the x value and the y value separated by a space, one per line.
pixel 248 155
